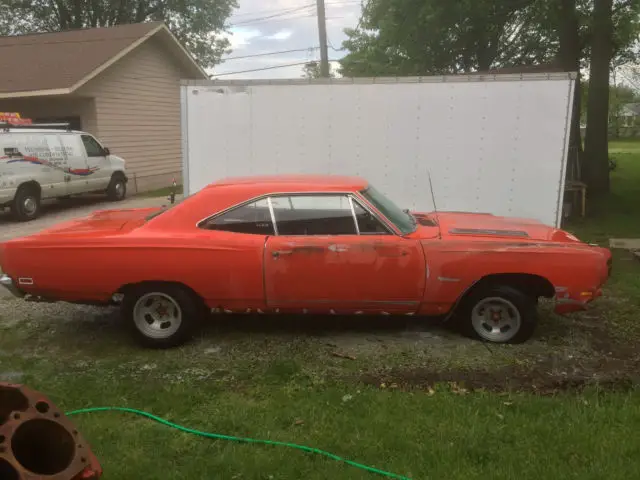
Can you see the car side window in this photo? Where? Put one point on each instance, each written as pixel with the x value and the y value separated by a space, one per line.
pixel 253 218
pixel 93 148
pixel 313 215
pixel 368 224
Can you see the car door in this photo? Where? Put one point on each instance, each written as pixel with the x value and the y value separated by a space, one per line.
pixel 322 260
pixel 98 166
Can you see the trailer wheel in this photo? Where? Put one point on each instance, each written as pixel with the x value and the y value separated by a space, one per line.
pixel 26 203
pixel 117 188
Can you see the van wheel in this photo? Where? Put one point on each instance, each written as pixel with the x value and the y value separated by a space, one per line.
pixel 117 188
pixel 26 203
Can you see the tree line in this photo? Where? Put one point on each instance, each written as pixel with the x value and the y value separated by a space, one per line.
pixel 413 37
pixel 436 37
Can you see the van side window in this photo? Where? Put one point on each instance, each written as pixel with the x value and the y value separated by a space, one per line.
pixel 92 147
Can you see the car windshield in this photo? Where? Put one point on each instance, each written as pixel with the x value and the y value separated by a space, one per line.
pixel 402 219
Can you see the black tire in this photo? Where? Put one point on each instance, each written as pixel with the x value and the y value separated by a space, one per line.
pixel 26 203
pixel 117 189
pixel 189 305
pixel 510 304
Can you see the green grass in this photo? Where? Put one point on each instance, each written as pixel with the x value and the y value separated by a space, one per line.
pixel 617 215
pixel 284 384
pixel 413 434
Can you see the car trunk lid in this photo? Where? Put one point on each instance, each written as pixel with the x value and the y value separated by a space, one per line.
pixel 103 222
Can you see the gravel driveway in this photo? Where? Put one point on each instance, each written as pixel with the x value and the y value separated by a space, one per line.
pixel 55 211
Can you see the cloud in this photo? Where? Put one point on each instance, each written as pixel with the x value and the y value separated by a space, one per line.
pixel 241 37
pixel 283 25
pixel 281 35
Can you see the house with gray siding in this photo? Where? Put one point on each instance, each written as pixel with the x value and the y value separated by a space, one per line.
pixel 121 84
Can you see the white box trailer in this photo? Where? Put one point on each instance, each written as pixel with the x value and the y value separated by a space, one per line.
pixel 488 143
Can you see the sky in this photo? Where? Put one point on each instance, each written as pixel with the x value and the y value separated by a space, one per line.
pixel 293 25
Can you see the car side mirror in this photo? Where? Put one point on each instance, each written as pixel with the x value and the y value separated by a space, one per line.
pixel 106 151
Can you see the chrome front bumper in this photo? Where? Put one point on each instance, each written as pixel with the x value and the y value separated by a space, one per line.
pixel 7 282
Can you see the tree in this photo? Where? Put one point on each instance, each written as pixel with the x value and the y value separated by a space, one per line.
pixel 428 37
pixel 198 24
pixel 619 96
pixel 312 70
pixel 596 167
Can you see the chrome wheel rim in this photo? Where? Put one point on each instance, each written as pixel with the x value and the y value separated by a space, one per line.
pixel 157 315
pixel 496 319
pixel 29 205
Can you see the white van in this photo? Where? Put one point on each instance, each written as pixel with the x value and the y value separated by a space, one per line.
pixel 38 163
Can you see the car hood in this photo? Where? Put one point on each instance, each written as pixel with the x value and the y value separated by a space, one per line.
pixel 462 225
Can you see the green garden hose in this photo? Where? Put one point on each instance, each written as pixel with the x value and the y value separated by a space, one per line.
pixel 218 436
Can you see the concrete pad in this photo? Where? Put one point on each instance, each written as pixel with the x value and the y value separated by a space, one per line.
pixel 625 243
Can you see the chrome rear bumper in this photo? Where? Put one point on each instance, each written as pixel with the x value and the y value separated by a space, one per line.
pixel 7 282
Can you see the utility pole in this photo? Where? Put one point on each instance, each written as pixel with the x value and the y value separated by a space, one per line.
pixel 322 33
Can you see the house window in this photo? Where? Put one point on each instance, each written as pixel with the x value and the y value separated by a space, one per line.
pixel 74 122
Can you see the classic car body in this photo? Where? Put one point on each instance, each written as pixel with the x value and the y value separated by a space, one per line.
pixel 306 244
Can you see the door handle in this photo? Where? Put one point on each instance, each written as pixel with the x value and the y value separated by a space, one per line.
pixel 279 253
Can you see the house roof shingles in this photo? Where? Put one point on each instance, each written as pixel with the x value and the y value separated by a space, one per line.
pixel 48 61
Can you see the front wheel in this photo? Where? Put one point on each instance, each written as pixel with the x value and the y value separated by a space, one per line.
pixel 161 315
pixel 117 188
pixel 498 314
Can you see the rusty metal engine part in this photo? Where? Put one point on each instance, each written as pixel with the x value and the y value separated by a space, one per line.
pixel 38 441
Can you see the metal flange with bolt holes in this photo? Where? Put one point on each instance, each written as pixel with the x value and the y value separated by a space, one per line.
pixel 38 441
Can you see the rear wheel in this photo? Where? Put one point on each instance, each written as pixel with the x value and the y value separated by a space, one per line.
pixel 498 314
pixel 161 315
pixel 117 188
pixel 26 203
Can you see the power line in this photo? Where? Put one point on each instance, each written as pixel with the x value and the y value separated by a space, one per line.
pixel 284 12
pixel 280 10
pixel 270 53
pixel 273 20
pixel 273 67
pixel 275 15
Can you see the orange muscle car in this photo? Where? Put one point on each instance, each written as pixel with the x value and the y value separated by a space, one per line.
pixel 305 244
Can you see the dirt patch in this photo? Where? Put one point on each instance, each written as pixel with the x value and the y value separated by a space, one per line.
pixel 545 378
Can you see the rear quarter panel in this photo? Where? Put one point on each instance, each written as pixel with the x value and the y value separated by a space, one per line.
pixel 454 266
pixel 218 266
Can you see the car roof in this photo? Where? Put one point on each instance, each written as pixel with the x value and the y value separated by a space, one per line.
pixel 310 182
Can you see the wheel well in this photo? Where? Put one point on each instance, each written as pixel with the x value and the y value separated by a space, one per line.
pixel 117 174
pixel 32 184
pixel 525 282
pixel 124 289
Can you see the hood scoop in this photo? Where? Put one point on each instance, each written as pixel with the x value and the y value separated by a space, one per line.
pixel 486 231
